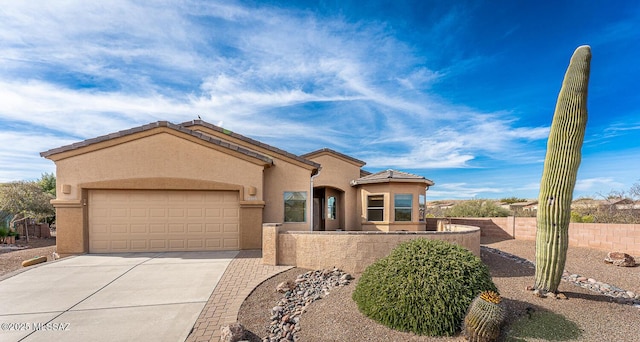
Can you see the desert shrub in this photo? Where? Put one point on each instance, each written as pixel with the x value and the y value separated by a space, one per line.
pixel 579 218
pixel 477 208
pixel 422 286
pixel 4 232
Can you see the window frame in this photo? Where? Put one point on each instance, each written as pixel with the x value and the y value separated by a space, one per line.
pixel 289 213
pixel 404 208
pixel 376 208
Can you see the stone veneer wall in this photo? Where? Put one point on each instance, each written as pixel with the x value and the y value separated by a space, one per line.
pixel 351 251
pixel 603 236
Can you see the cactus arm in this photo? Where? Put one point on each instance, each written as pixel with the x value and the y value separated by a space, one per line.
pixel 560 172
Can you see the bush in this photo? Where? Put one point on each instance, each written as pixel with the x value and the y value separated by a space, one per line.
pixel 422 286
pixel 477 208
pixel 4 232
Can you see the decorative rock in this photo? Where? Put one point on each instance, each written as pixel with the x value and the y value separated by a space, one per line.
pixel 285 286
pixel 561 296
pixel 538 293
pixel 346 276
pixel 620 259
pixel 233 332
pixel 620 295
pixel 306 289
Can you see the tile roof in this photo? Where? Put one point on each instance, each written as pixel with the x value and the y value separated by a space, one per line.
pixel 249 140
pixel 151 126
pixel 328 150
pixel 391 176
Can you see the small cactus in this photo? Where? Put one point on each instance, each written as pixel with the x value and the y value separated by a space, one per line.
pixel 484 318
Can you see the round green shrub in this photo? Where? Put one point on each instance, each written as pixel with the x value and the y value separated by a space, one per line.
pixel 422 286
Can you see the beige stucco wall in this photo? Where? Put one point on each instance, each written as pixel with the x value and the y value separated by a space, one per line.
pixel 72 238
pixel 389 190
pixel 351 251
pixel 281 178
pixel 156 159
pixel 338 173
pixel 161 155
pixel 285 175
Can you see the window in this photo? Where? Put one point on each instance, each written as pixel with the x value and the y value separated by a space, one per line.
pixel 375 208
pixel 295 206
pixel 402 204
pixel 331 208
pixel 422 201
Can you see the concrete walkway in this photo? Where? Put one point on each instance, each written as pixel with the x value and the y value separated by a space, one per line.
pixel 243 274
pixel 115 297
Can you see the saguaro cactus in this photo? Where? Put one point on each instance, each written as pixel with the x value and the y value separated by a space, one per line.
pixel 560 171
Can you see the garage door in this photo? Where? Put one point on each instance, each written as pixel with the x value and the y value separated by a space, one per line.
pixel 148 220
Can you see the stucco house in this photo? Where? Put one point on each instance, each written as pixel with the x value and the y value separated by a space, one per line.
pixel 195 186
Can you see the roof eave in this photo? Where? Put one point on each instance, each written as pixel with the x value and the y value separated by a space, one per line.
pixel 427 182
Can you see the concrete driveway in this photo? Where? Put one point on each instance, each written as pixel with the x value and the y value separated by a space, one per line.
pixel 115 297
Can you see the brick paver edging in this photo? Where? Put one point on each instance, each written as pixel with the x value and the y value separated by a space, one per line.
pixel 244 273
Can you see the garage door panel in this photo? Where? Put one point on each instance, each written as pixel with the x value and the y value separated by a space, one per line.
pixel 212 212
pixel 213 243
pixel 139 245
pixel 157 244
pixel 119 228
pixel 230 228
pixel 230 243
pixel 194 212
pixel 195 228
pixel 155 212
pixel 157 228
pixel 120 245
pixel 139 212
pixel 138 228
pixel 176 244
pixel 146 220
pixel 213 227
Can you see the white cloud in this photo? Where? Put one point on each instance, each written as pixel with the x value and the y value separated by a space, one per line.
pixel 20 159
pixel 254 68
pixel 461 191
pixel 596 184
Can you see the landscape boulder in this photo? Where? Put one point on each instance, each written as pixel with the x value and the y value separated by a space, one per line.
pixel 233 332
pixel 620 259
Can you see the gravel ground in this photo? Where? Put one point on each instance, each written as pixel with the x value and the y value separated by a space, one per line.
pixel 336 317
pixel 11 259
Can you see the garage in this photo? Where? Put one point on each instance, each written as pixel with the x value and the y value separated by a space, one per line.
pixel 162 220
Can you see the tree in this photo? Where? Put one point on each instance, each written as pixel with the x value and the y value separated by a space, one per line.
pixel 25 199
pixel 560 172
pixel 634 191
pixel 48 183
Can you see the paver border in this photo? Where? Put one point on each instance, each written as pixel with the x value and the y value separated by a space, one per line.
pixel 243 274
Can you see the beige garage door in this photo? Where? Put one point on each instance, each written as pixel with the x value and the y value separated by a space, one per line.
pixel 149 220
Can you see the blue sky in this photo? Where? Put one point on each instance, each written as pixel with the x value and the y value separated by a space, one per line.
pixel 461 92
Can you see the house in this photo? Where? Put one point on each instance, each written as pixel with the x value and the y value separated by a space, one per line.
pixel 195 186
pixel 522 206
